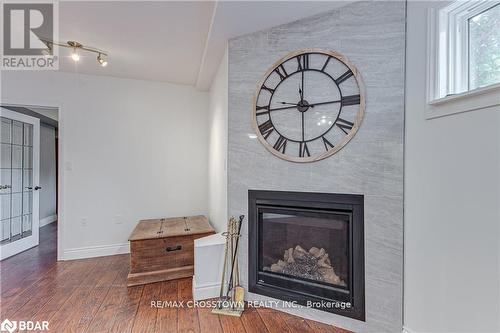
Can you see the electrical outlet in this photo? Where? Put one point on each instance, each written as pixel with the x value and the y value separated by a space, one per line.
pixel 83 221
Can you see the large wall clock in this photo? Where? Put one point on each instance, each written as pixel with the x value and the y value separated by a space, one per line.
pixel 308 105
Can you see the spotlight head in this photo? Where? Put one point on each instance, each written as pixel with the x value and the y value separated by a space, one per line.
pixel 102 60
pixel 75 45
pixel 75 56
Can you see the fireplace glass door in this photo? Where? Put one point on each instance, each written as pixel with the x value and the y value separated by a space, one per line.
pixel 307 247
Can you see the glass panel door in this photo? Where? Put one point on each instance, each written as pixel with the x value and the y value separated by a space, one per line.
pixel 19 168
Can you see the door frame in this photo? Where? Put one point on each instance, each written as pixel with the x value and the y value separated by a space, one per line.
pixel 28 102
pixel 10 249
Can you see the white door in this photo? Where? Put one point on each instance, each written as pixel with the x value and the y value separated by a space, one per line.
pixel 19 182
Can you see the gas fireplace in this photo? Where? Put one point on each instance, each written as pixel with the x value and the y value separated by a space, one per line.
pixel 308 248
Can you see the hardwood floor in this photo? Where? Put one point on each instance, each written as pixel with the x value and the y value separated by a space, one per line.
pixel 91 295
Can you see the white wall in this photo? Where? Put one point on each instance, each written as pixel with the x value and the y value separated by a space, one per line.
pixel 47 175
pixel 130 150
pixel 217 151
pixel 452 199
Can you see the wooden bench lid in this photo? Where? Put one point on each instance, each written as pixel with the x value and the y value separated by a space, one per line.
pixel 170 227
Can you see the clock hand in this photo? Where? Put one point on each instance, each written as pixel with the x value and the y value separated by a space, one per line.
pixel 296 104
pixel 284 108
pixel 293 106
pixel 301 90
pixel 303 135
pixel 322 103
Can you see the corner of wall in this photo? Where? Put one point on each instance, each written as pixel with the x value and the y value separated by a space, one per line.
pixel 217 146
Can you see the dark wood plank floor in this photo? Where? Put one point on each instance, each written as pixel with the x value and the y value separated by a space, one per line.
pixel 91 295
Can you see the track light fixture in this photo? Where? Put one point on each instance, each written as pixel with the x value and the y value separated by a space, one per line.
pixel 74 54
pixel 102 56
pixel 102 60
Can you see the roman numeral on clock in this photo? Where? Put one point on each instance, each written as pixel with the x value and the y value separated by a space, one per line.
pixel 266 128
pixel 350 100
pixel 328 144
pixel 303 62
pixel 326 64
pixel 280 70
pixel 280 144
pixel 258 108
pixel 344 77
pixel 344 125
pixel 268 89
pixel 303 149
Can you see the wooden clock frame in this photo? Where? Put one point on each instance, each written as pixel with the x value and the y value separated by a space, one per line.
pixel 356 123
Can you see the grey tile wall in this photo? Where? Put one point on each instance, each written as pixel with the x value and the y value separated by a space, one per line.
pixel 372 35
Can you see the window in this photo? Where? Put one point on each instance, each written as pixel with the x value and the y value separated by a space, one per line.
pixel 484 48
pixel 464 45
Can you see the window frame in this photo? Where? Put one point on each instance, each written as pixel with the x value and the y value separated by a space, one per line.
pixel 448 50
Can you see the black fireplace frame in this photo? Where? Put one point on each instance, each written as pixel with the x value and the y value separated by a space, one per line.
pixel 328 202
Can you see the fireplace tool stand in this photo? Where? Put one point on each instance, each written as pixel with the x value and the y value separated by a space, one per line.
pixel 231 300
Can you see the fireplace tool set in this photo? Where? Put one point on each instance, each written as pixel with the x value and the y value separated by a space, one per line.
pixel 231 299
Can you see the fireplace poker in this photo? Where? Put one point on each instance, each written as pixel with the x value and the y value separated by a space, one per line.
pixel 227 234
pixel 240 222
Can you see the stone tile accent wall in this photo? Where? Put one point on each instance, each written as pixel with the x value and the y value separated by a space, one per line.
pixel 372 36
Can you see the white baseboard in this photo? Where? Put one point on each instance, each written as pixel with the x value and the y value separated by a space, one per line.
pixel 47 220
pixel 96 251
pixel 205 291
pixel 406 329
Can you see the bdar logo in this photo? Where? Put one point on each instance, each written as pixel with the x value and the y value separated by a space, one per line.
pixel 8 325
pixel 24 325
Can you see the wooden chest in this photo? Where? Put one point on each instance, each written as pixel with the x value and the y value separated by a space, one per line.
pixel 163 249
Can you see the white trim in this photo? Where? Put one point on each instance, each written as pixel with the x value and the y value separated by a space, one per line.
pixel 447 48
pixel 199 77
pixel 48 220
pixel 61 236
pixel 447 74
pixel 495 89
pixel 478 99
pixel 205 291
pixel 406 329
pixel 21 245
pixel 96 251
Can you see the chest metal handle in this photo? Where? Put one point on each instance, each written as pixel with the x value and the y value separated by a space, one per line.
pixel 174 248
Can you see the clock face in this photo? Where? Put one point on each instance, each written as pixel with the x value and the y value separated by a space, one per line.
pixel 308 105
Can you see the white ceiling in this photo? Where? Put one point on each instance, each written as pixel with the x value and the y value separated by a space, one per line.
pixel 169 41
pixel 159 41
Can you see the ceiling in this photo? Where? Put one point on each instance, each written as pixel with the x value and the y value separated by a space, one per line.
pixel 180 42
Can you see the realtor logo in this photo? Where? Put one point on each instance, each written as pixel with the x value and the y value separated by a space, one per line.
pixel 25 27
pixel 9 326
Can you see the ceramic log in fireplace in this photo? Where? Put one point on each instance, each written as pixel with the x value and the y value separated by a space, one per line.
pixel 308 248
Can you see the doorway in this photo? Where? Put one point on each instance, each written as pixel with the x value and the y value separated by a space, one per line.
pixel 28 186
